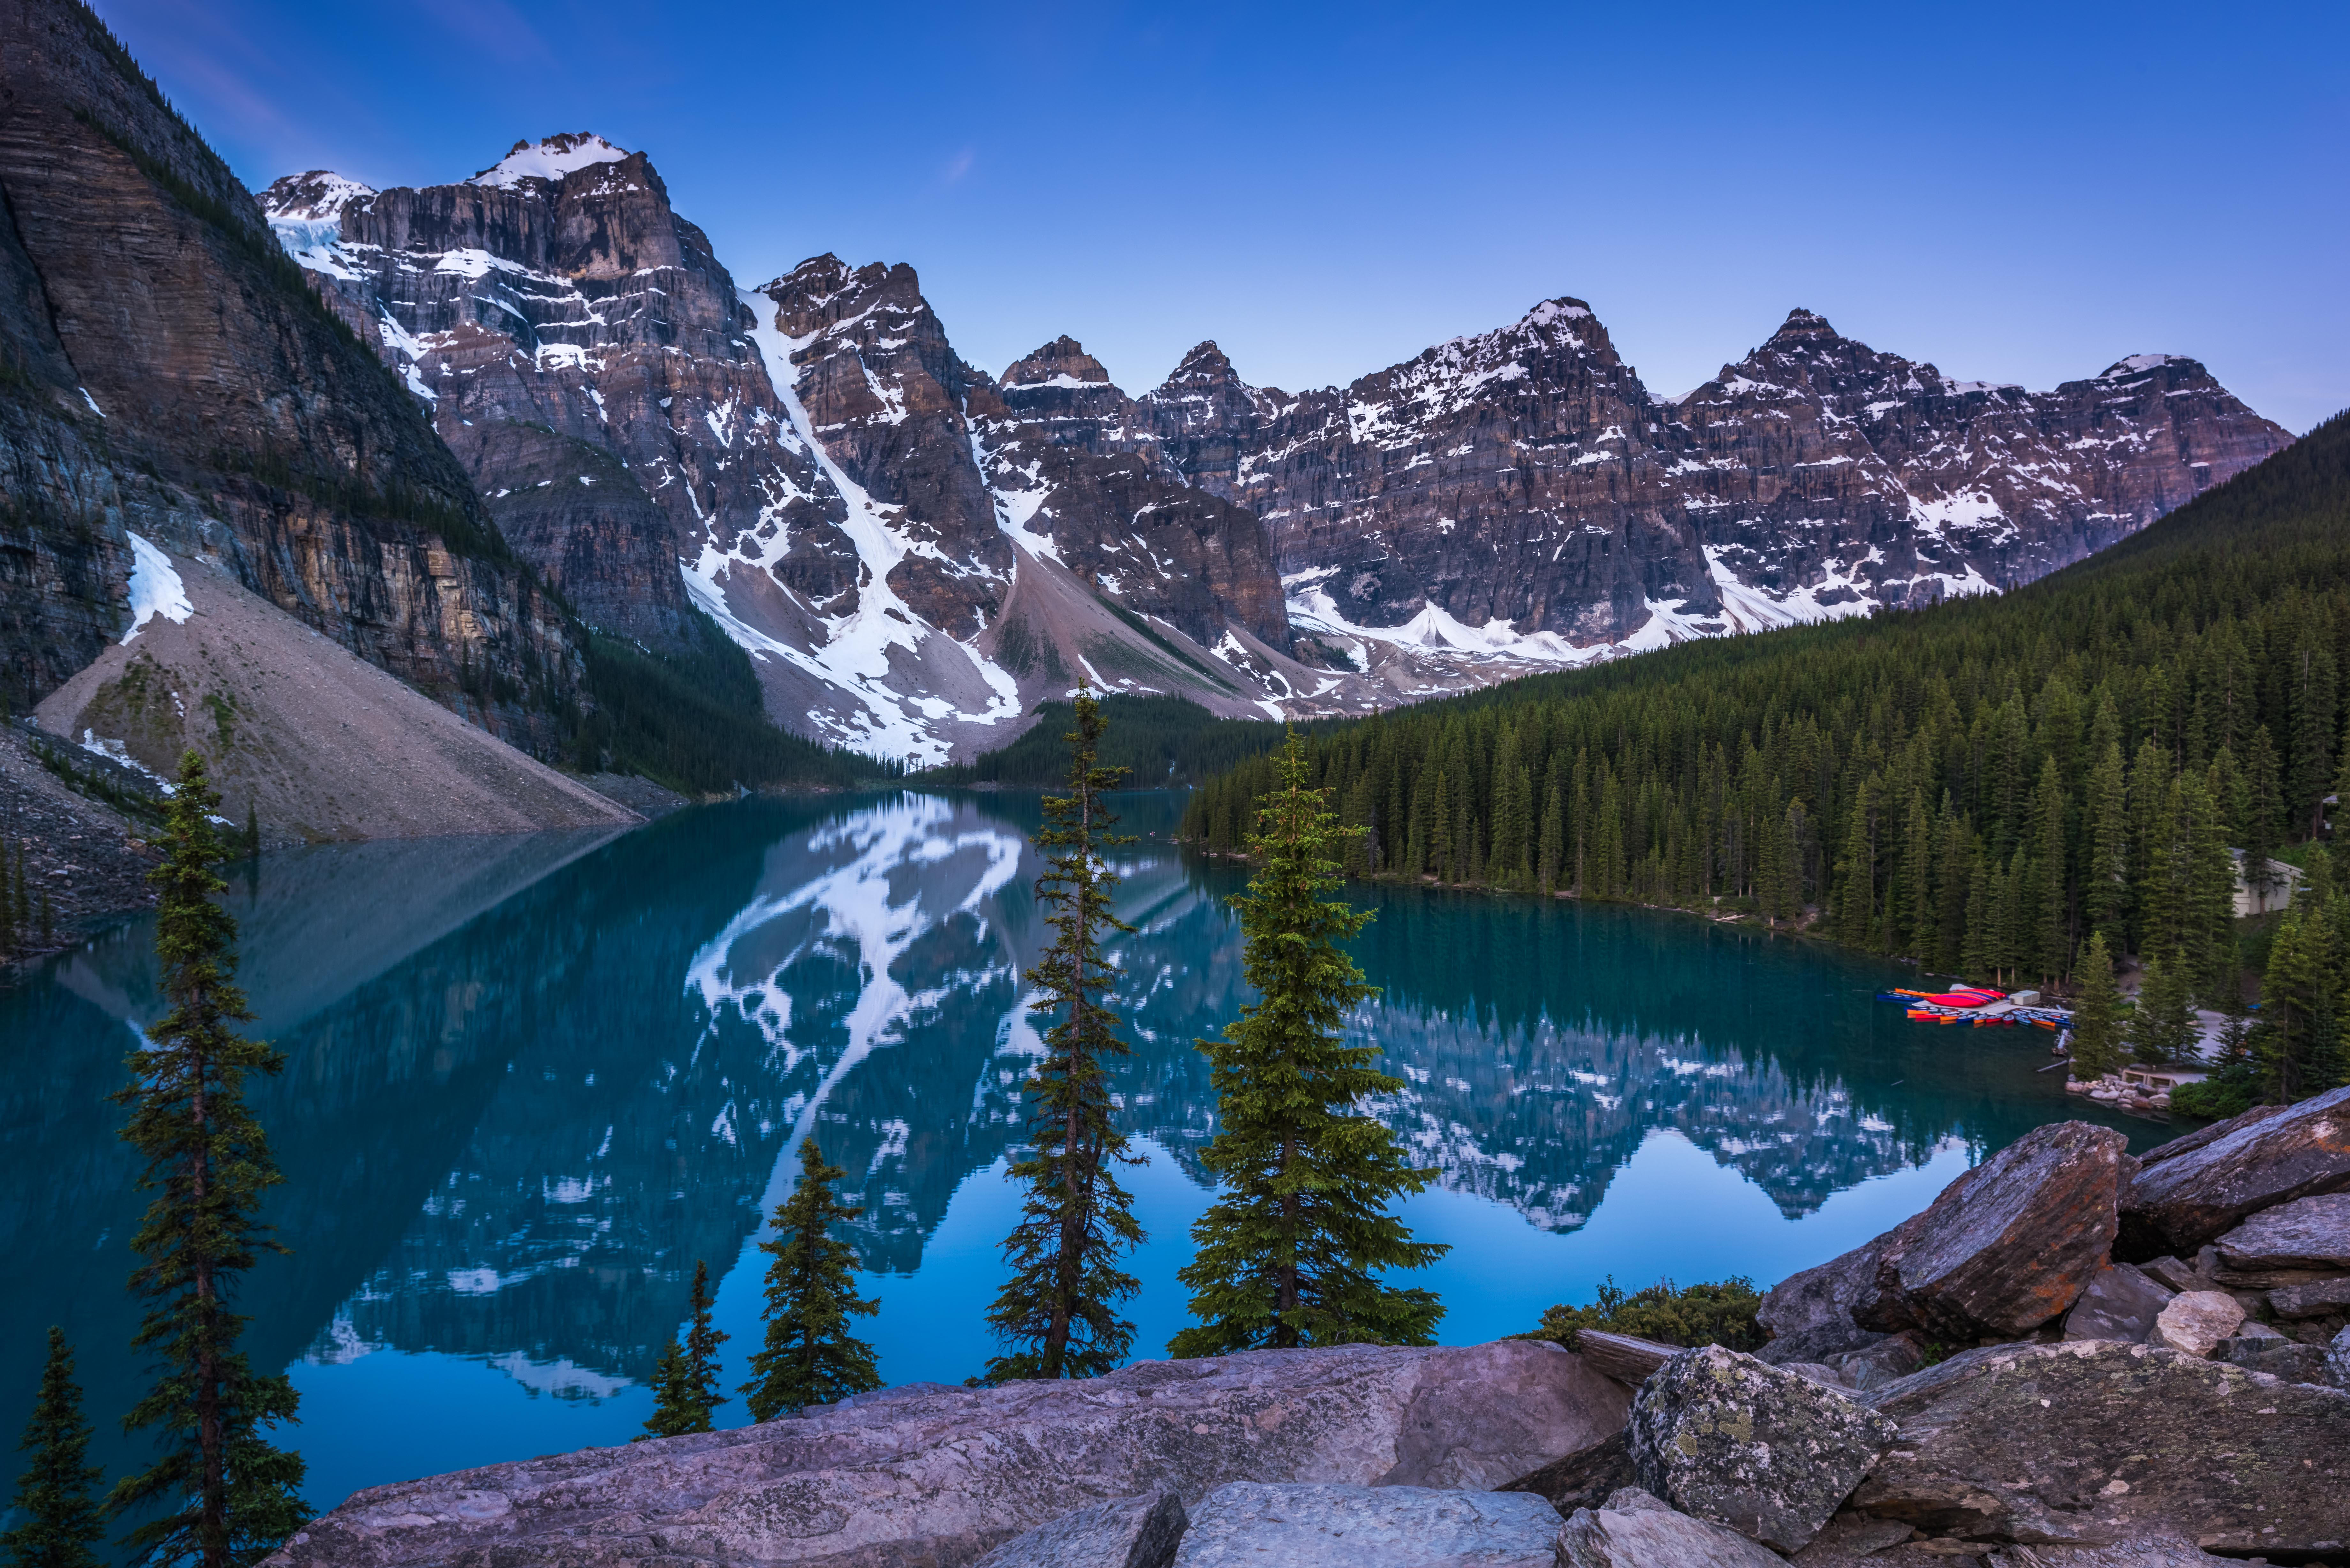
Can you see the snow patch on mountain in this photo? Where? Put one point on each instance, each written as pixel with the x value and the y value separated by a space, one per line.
pixel 155 587
pixel 549 160
pixel 861 649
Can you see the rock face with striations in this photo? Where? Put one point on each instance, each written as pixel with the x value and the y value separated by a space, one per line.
pixel 1248 1524
pixel 587 356
pixel 2094 1443
pixel 169 375
pixel 1634 1530
pixel 2008 1245
pixel 942 1475
pixel 2181 1203
pixel 1124 1532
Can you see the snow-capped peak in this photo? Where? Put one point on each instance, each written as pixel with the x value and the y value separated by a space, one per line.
pixel 2136 364
pixel 318 196
pixel 549 160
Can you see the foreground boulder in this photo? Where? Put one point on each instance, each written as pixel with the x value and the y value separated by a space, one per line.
pixel 2008 1246
pixel 2196 1320
pixel 1634 1530
pixel 937 1475
pixel 1250 1525
pixel 1124 1532
pixel 1738 1442
pixel 2097 1443
pixel 2181 1203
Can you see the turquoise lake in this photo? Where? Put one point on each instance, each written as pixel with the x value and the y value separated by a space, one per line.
pixel 530 1081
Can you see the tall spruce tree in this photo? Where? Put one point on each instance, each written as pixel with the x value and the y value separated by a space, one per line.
pixel 685 1382
pixel 59 1519
pixel 1059 1311
pixel 2096 1011
pixel 229 1496
pixel 2163 1028
pixel 2296 1045
pixel 1290 1252
pixel 809 1356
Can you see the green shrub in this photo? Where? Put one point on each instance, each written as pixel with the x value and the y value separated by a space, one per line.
pixel 1719 1314
pixel 2228 1091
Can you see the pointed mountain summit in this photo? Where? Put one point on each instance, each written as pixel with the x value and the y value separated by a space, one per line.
pixel 549 160
pixel 1063 360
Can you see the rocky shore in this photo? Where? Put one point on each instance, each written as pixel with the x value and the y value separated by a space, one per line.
pixel 2072 1357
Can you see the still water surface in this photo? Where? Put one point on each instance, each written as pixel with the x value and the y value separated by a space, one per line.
pixel 530 1081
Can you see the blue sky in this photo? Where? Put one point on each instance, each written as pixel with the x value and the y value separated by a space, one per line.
pixel 2014 192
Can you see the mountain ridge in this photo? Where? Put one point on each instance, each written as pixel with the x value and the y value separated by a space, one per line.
pixel 916 552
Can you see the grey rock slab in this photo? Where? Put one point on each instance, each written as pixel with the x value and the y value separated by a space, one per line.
pixel 1848 1538
pixel 1821 1342
pixel 2337 1360
pixel 2178 1205
pixel 1895 1355
pixel 2154 1553
pixel 1257 1525
pixel 2091 1442
pixel 2118 1303
pixel 2008 1245
pixel 2279 1357
pixel 1809 1314
pixel 1633 1529
pixel 2315 1299
pixel 2306 1233
pixel 1738 1442
pixel 1586 1478
pixel 1124 1532
pixel 2176 1274
pixel 2188 1143
pixel 1819 1371
pixel 1625 1357
pixel 945 1474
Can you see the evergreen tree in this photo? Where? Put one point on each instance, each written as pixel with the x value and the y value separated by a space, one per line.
pixel 2316 720
pixel 2163 1028
pixel 2053 921
pixel 230 1496
pixel 2296 1045
pixel 685 1383
pixel 58 1520
pixel 2263 813
pixel 252 832
pixel 1290 1252
pixel 2096 1029
pixel 809 1356
pixel 1059 1309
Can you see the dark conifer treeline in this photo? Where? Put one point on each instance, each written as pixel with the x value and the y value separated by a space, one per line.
pixel 1980 785
pixel 1159 741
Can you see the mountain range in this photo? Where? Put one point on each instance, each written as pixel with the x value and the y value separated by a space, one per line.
pixel 914 551
pixel 591 428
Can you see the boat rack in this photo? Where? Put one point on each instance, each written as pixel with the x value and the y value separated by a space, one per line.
pixel 1996 1014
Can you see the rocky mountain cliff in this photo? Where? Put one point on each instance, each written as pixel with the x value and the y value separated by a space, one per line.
pixel 914 552
pixel 804 463
pixel 164 372
pixel 1522 492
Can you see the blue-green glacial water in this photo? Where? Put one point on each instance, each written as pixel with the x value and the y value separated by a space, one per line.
pixel 530 1081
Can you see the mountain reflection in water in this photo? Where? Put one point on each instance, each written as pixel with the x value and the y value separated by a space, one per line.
pixel 530 1081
